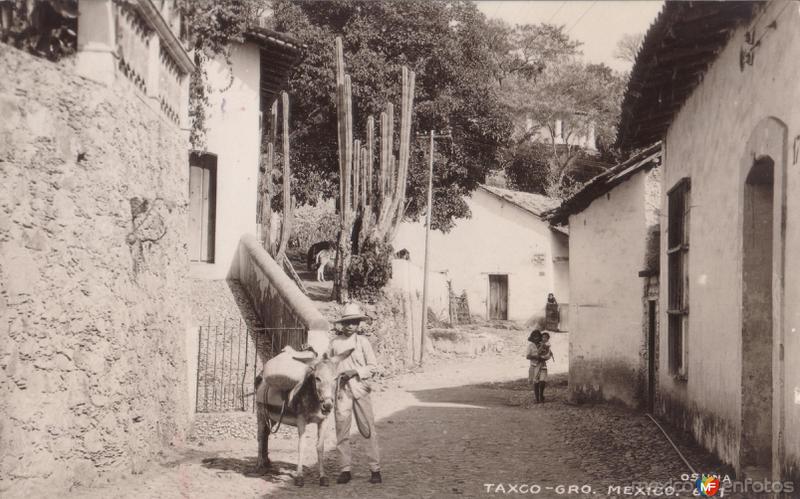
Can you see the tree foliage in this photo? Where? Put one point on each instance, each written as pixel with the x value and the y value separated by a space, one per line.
pixel 370 269
pixel 47 28
pixel 553 87
pixel 628 46
pixel 445 44
pixel 527 168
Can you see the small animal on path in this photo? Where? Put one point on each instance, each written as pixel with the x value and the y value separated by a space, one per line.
pixel 324 258
pixel 312 404
pixel 315 248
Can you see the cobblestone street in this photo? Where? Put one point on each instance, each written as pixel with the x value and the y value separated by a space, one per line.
pixel 449 431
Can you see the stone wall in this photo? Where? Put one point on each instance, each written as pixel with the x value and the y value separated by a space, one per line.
pixel 92 272
pixel 393 330
pixel 390 334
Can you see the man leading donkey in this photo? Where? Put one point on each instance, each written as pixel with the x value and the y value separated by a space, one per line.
pixel 354 392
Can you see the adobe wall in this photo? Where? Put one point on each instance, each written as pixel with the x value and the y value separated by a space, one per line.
pixel 710 141
pixel 92 278
pixel 606 253
pixel 234 129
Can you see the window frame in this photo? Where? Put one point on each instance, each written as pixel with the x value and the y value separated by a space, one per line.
pixel 678 228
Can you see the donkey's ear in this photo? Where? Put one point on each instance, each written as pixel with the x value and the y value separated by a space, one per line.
pixel 338 358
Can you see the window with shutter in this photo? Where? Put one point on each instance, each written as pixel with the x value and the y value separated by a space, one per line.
pixel 678 275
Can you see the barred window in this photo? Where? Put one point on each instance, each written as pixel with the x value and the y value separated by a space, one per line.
pixel 678 275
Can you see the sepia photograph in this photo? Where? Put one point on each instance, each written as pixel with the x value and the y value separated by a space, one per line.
pixel 399 249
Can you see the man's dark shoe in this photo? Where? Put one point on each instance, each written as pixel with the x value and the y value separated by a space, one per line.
pixel 376 477
pixel 344 477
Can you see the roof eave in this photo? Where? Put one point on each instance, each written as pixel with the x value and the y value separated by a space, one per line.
pixel 521 207
pixel 643 160
pixel 680 46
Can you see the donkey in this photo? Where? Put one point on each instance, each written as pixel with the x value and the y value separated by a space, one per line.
pixel 311 255
pixel 312 403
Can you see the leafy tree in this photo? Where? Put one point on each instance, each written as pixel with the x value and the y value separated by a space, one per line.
pixel 628 47
pixel 445 43
pixel 556 87
pixel 526 50
pixel 528 167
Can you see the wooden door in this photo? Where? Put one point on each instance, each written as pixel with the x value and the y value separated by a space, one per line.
pixel 498 297
pixel 202 206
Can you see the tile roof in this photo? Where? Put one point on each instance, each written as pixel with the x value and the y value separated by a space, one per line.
pixel 280 53
pixel 646 159
pixel 680 45
pixel 535 204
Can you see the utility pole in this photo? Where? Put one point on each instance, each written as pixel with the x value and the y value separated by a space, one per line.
pixel 424 322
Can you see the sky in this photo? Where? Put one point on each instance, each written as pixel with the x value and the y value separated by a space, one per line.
pixel 598 24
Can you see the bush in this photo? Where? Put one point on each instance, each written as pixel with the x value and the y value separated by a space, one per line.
pixel 313 224
pixel 370 270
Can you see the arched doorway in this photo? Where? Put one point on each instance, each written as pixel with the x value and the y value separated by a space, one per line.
pixel 763 227
pixel 756 451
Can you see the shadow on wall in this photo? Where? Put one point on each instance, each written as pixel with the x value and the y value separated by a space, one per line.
pixel 606 380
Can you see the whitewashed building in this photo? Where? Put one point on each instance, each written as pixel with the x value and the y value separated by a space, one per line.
pixel 730 276
pixel 613 254
pixel 224 178
pixel 504 256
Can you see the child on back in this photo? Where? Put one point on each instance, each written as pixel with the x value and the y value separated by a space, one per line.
pixel 544 351
pixel 539 352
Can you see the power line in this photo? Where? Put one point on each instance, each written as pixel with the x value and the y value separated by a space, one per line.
pixel 557 11
pixel 581 17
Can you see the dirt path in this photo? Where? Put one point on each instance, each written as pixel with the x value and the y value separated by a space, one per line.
pixel 447 432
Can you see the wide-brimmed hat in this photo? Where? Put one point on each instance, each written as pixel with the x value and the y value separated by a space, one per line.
pixel 352 312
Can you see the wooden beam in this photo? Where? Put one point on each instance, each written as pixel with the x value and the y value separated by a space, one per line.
pixel 278 55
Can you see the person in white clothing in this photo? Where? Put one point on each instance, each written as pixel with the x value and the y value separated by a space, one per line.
pixel 354 392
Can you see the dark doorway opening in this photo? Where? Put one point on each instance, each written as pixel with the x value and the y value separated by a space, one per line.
pixel 757 308
pixel 651 356
pixel 498 297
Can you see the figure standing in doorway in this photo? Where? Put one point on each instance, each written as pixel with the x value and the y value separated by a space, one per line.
pixel 552 315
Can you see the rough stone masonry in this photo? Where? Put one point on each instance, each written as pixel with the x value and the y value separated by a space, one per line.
pixel 93 268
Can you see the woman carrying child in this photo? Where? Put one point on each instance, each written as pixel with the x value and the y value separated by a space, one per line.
pixel 538 354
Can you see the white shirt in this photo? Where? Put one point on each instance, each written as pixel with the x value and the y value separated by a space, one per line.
pixel 362 360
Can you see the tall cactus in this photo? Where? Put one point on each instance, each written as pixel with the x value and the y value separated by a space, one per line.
pixel 288 205
pixel 268 188
pixel 276 242
pixel 378 203
pixel 346 207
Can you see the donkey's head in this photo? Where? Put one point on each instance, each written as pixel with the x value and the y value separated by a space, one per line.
pixel 325 378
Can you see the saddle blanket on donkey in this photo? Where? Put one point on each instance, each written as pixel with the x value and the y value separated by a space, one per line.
pixel 284 376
